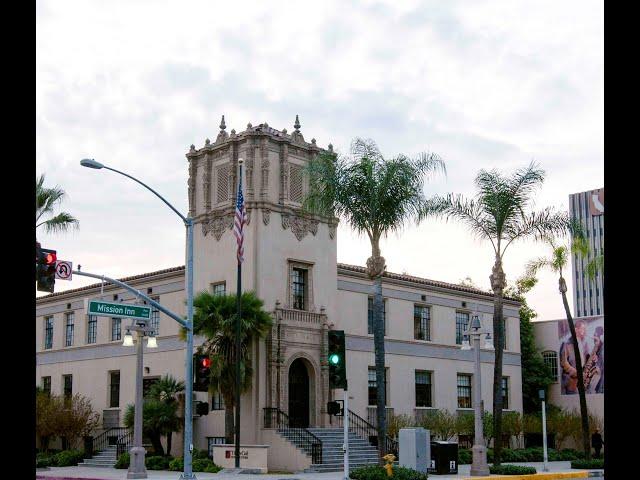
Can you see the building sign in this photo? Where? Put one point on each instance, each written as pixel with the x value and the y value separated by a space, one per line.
pixel 596 202
pixel 590 335
pixel 244 454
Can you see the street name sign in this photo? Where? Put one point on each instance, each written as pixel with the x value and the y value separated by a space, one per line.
pixel 113 309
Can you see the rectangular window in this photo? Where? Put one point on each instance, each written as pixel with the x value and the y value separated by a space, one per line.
pixel 423 389
pixel 373 386
pixel 67 386
pixel 421 322
pixel 505 393
pixel 464 390
pixel 462 323
pixel 46 385
pixel 299 288
pixel 551 361
pixel 114 389
pixel 68 333
pixel 219 288
pixel 48 332
pixel 92 328
pixel 217 401
pixel 211 441
pixel 116 329
pixel 370 316
pixel 154 322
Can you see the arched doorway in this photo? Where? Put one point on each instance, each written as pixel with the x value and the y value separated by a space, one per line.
pixel 298 394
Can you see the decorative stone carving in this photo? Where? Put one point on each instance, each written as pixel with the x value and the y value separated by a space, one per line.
pixel 300 226
pixel 266 214
pixel 218 225
pixel 376 266
pixel 222 136
pixel 284 172
pixel 264 168
pixel 251 155
pixel 206 183
pixel 296 136
pixel 191 183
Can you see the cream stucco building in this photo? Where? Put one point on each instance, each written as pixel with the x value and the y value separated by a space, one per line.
pixel 291 263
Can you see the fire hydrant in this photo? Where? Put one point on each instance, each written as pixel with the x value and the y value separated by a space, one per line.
pixel 389 458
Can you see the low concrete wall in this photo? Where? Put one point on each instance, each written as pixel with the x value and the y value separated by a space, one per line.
pixel 284 456
pixel 251 456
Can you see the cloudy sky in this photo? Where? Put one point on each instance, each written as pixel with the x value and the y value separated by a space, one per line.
pixel 485 84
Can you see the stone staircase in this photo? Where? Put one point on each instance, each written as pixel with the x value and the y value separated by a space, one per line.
pixel 106 458
pixel 361 453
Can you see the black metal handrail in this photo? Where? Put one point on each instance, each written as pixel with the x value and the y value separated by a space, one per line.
pixel 124 442
pixel 312 445
pixel 365 430
pixel 102 441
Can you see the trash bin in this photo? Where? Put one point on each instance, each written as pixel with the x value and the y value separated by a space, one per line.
pixel 444 458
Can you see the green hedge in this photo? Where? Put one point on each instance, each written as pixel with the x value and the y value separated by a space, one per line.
pixel 511 470
pixel 464 456
pixel 67 458
pixel 176 465
pixel 198 465
pixel 375 472
pixel 157 462
pixel 522 455
pixel 123 461
pixel 43 462
pixel 587 464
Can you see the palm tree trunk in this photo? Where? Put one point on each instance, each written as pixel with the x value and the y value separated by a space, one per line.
pixel 498 282
pixel 378 342
pixel 169 443
pixel 584 414
pixel 229 425
pixel 157 444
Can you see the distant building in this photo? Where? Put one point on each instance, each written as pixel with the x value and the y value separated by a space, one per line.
pixel 588 294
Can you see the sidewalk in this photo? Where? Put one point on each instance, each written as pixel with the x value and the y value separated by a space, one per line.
pixel 92 473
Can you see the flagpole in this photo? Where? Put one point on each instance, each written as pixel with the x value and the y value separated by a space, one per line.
pixel 238 319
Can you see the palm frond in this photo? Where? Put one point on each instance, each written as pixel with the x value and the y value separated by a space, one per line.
pixel 532 267
pixel 595 265
pixel 60 223
pixel 538 226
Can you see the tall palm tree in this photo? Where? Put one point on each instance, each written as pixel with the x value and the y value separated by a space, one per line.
pixel 500 213
pixel 375 196
pixel 557 262
pixel 215 318
pixel 47 199
pixel 167 390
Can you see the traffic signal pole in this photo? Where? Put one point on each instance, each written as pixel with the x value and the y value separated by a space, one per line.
pixel 345 422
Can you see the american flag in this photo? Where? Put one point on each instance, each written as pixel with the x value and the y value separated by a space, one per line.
pixel 240 220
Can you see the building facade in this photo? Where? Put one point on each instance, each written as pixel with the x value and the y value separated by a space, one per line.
pixel 291 264
pixel 588 294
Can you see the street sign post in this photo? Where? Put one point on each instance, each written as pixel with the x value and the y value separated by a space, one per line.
pixel 112 309
pixel 63 270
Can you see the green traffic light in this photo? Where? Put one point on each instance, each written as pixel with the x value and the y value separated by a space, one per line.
pixel 335 358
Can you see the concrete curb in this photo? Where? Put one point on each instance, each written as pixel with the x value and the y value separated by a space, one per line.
pixel 51 477
pixel 533 476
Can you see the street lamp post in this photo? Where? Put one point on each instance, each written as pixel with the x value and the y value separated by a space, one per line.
pixel 479 466
pixel 187 473
pixel 545 458
pixel 137 467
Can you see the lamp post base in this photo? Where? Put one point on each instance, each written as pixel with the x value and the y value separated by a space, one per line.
pixel 137 468
pixel 479 466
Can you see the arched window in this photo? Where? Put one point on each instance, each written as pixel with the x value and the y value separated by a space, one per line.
pixel 551 361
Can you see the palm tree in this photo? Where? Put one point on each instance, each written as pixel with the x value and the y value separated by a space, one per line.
pixel 167 390
pixel 158 419
pixel 47 199
pixel 557 263
pixel 214 317
pixel 375 196
pixel 500 213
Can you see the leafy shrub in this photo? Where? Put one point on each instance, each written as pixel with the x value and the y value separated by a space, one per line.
pixel 157 463
pixel 123 461
pixel 587 464
pixel 176 465
pixel 205 465
pixel 375 472
pixel 43 462
pixel 568 454
pixel 511 470
pixel 464 456
pixel 68 458
pixel 199 454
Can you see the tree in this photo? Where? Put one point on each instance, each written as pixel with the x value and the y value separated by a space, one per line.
pixel 375 196
pixel 47 199
pixel 167 390
pixel 215 317
pixel 158 419
pixel 557 262
pixel 500 213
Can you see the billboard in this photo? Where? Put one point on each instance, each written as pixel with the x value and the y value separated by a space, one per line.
pixel 596 202
pixel 590 335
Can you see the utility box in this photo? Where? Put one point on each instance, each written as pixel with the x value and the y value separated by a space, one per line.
pixel 414 449
pixel 444 458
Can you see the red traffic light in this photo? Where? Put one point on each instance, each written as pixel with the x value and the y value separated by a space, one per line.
pixel 206 362
pixel 50 258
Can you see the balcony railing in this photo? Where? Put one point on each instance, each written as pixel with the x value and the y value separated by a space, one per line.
pixel 302 316
pixel 372 415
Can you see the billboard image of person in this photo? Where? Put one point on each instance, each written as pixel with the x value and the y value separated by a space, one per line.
pixel 590 336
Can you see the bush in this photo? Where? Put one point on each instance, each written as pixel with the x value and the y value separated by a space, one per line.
pixel 43 462
pixel 205 465
pixel 68 458
pixel 157 463
pixel 123 461
pixel 587 464
pixel 199 454
pixel 375 472
pixel 176 465
pixel 464 456
pixel 511 470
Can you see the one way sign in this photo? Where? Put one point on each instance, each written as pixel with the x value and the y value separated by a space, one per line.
pixel 63 270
